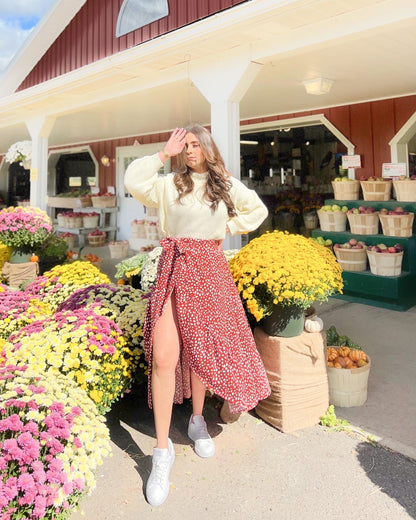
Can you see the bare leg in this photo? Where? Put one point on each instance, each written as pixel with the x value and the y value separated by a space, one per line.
pixel 198 394
pixel 165 358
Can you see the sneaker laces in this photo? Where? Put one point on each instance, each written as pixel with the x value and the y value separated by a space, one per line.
pixel 199 427
pixel 159 470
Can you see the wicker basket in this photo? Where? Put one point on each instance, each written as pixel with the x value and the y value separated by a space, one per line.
pixel 138 229
pixel 119 249
pixel 152 212
pixel 73 222
pixel 348 387
pixel 346 190
pixel 310 220
pixel 376 190
pixel 405 190
pixel 385 264
pixel 351 259
pixel 151 229
pixel 97 240
pixel 70 240
pixel 62 221
pixel 91 221
pixel 397 225
pixel 104 202
pixel 363 223
pixel 332 220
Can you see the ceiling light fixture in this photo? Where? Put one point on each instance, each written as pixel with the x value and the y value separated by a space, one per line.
pixel 317 86
pixel 105 160
pixel 249 142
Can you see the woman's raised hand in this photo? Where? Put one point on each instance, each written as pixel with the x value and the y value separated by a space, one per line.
pixel 176 142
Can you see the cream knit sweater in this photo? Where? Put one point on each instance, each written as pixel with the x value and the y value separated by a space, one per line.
pixel 192 218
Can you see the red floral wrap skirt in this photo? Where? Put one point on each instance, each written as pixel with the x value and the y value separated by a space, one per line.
pixel 215 337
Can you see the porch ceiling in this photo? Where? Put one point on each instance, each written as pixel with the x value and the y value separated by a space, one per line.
pixel 365 46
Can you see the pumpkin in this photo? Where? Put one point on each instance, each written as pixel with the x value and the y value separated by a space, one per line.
pixel 356 355
pixel 330 364
pixel 361 363
pixel 121 281
pixel 337 365
pixel 344 351
pixel 331 353
pixel 340 361
pixel 348 362
pixel 34 258
pixel 314 324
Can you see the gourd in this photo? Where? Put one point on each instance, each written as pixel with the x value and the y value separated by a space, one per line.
pixel 361 363
pixel 356 355
pixel 344 351
pixel 331 353
pixel 314 324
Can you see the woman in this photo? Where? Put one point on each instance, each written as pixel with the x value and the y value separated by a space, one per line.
pixel 196 332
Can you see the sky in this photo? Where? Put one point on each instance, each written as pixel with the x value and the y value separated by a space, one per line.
pixel 17 19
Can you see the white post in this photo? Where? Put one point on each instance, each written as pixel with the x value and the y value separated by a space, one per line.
pixel 224 83
pixel 39 129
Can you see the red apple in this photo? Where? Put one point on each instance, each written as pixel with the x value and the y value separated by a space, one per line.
pixel 353 242
pixel 391 249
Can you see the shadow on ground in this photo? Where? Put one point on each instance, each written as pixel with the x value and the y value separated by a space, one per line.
pixel 393 473
pixel 132 411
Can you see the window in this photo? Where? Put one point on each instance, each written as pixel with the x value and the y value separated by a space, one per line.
pixel 135 14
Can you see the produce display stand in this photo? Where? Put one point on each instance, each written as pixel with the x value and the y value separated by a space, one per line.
pixel 109 227
pixel 391 292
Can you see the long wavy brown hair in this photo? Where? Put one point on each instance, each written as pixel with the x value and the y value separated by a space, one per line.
pixel 218 181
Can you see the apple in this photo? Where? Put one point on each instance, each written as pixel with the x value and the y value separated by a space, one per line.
pixel 337 245
pixel 361 208
pixel 355 211
pixel 399 209
pixel 383 211
pixel 328 242
pixel 344 209
pixel 398 247
pixel 353 242
pixel 335 207
pixel 382 247
pixel 391 249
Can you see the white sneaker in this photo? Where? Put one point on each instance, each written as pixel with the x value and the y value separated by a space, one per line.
pixel 197 431
pixel 157 487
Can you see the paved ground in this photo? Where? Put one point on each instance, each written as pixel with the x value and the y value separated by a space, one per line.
pixel 261 473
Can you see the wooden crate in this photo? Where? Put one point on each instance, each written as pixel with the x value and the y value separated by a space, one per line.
pixel 69 202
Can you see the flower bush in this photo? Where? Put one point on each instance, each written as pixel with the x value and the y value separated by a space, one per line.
pixel 126 303
pixel 131 266
pixel 51 442
pixel 86 345
pixel 19 152
pixel 283 268
pixel 18 310
pixel 149 271
pixel 24 228
pixel 56 285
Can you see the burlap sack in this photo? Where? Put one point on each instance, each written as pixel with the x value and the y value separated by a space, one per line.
pixel 296 369
pixel 15 274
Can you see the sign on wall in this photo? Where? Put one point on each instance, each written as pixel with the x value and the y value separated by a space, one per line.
pixel 394 169
pixel 351 161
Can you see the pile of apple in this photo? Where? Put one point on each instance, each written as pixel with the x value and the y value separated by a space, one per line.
pixel 362 210
pixel 343 179
pixel 322 242
pixel 352 244
pixel 334 207
pixel 96 233
pixel 377 179
pixel 382 248
pixel 396 211
pixel 406 178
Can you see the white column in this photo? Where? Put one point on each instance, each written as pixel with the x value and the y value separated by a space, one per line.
pixel 223 83
pixel 39 129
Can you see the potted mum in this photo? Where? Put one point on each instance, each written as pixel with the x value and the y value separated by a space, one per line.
pixel 279 275
pixel 20 152
pixel 24 230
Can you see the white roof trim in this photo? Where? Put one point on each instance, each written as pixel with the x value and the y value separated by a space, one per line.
pixel 37 43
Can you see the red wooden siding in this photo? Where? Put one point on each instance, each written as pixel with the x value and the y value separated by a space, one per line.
pixel 90 36
pixel 369 126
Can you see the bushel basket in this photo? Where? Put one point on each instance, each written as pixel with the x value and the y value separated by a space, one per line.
pixel 346 190
pixel 376 190
pixel 351 259
pixel 405 190
pixel 97 240
pixel 332 220
pixel 363 223
pixel 385 264
pixel 397 225
pixel 104 202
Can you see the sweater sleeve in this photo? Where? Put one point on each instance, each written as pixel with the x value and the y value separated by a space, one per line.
pixel 142 180
pixel 250 209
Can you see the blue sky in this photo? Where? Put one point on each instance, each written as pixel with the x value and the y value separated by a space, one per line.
pixel 17 19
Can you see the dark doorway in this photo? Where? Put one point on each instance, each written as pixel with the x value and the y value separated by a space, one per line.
pixel 75 172
pixel 19 185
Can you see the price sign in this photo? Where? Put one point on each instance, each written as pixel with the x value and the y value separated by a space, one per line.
pixel 351 161
pixel 394 169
